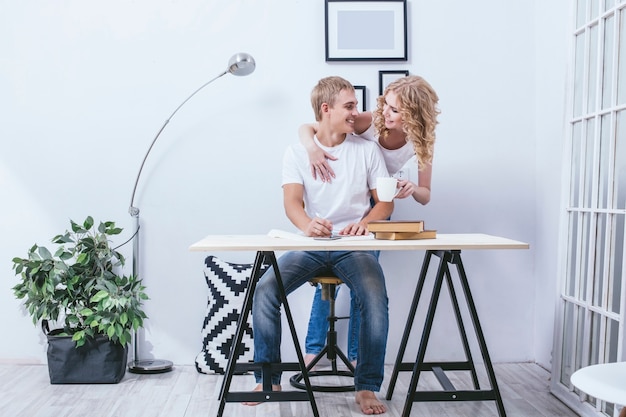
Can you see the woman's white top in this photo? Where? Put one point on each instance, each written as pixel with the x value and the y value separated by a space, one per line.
pixel 394 159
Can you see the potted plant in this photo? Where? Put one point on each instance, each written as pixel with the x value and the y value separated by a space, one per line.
pixel 79 286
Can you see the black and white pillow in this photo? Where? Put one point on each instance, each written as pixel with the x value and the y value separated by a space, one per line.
pixel 227 284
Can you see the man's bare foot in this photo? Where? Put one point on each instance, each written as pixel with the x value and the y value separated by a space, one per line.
pixel 369 403
pixel 259 387
pixel 308 358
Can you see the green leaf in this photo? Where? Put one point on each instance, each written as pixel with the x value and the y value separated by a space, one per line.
pixel 64 255
pixel 76 228
pixel 61 239
pixel 44 253
pixel 78 335
pixel 100 295
pixel 86 312
pixel 119 330
pixel 115 231
pixel 83 258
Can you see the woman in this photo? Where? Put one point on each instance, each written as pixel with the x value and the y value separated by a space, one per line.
pixel 403 125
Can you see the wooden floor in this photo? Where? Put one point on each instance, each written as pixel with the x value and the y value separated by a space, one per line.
pixel 25 391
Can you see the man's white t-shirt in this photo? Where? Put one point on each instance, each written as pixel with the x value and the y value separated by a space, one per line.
pixel 346 199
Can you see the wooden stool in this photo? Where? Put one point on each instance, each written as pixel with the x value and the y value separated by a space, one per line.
pixel 331 350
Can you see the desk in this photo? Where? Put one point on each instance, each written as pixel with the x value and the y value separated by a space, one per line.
pixel 447 247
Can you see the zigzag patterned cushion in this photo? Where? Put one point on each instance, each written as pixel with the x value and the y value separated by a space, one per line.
pixel 227 283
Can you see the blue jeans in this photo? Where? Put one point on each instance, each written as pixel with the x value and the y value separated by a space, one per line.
pixel 361 272
pixel 318 325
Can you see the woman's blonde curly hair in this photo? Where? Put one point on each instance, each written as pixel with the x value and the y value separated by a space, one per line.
pixel 417 102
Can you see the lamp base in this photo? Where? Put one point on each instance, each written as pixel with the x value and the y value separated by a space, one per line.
pixel 150 366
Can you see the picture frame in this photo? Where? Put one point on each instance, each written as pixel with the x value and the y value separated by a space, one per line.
pixel 366 30
pixel 360 91
pixel 387 77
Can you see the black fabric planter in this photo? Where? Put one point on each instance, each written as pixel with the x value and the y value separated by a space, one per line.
pixel 99 361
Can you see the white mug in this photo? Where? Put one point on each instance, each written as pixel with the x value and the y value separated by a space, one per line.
pixel 386 188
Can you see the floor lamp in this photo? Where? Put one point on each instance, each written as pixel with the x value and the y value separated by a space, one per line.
pixel 239 64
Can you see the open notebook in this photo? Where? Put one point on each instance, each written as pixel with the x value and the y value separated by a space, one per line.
pixel 299 236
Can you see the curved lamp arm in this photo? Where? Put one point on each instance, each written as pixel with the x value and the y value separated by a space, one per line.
pixel 239 64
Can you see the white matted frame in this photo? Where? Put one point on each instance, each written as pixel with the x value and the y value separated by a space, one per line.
pixel 366 30
pixel 387 77
pixel 360 91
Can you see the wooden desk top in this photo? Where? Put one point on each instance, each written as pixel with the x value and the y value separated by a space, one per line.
pixel 268 243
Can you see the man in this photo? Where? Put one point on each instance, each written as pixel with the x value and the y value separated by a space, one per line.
pixel 318 209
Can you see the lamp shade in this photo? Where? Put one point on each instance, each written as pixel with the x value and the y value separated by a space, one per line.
pixel 241 64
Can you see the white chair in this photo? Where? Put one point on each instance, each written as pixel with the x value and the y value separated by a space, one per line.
pixel 606 382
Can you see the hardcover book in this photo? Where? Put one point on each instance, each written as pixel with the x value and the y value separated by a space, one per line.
pixel 412 226
pixel 426 234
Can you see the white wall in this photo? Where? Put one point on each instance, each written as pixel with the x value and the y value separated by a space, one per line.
pixel 552 39
pixel 85 86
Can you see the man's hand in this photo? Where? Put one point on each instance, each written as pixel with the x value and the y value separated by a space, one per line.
pixel 354 229
pixel 319 227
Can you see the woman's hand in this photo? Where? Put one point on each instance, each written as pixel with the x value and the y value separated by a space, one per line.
pixel 406 188
pixel 318 158
pixel 319 164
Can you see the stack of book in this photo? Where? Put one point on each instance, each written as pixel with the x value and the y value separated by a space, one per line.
pixel 400 230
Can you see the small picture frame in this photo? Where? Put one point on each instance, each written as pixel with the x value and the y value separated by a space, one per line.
pixel 360 91
pixel 387 77
pixel 366 30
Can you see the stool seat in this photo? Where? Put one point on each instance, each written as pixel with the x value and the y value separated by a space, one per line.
pixel 331 351
pixel 605 382
pixel 326 280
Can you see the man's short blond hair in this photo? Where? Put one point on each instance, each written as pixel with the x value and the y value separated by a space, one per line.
pixel 326 91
